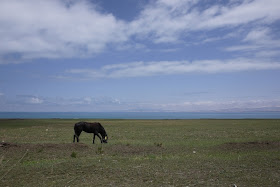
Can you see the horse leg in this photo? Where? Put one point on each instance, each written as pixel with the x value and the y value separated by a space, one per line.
pixel 76 135
pixel 93 138
pixel 99 137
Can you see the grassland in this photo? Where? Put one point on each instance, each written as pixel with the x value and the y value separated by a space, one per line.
pixel 141 153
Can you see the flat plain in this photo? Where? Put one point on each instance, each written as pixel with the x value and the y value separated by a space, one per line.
pixel 41 152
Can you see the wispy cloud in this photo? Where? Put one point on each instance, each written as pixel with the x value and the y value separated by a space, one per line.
pixel 29 99
pixel 259 41
pixel 212 106
pixel 164 21
pixel 78 101
pixel 142 69
pixel 58 104
pixel 196 93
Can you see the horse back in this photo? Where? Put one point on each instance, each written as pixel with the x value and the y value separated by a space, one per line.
pixel 92 127
pixel 78 127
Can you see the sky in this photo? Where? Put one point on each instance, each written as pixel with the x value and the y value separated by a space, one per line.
pixel 139 55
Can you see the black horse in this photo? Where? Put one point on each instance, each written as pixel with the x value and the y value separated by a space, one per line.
pixel 95 128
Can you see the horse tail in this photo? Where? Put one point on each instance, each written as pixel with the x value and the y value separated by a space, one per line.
pixel 78 127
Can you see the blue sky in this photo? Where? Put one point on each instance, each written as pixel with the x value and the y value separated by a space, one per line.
pixel 139 55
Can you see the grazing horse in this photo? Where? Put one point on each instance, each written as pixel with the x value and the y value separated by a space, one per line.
pixel 95 128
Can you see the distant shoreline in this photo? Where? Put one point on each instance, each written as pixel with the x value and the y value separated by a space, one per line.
pixel 139 115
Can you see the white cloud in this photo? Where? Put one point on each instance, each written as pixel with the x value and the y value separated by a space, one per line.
pixel 60 104
pixel 241 13
pixel 55 29
pixel 106 103
pixel 35 100
pixel 29 99
pixel 258 35
pixel 260 42
pixel 267 53
pixel 83 101
pixel 167 21
pixel 64 29
pixel 142 69
pixel 243 48
pixel 79 104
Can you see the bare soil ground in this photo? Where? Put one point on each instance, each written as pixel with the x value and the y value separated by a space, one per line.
pixel 257 145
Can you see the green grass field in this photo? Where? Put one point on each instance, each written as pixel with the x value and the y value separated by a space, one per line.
pixel 141 153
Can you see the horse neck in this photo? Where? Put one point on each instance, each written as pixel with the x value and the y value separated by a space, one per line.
pixel 103 132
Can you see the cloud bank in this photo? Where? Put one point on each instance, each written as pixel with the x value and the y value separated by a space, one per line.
pixel 32 29
pixel 59 104
pixel 109 104
pixel 212 106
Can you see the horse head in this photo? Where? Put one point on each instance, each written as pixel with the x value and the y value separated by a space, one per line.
pixel 104 138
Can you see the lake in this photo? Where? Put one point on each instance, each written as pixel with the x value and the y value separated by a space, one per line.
pixel 140 115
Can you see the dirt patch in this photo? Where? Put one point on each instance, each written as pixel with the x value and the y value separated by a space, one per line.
pixel 250 145
pixel 7 145
pixel 44 151
pixel 49 150
pixel 63 146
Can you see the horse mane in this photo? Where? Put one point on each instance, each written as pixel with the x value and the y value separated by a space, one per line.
pixel 102 129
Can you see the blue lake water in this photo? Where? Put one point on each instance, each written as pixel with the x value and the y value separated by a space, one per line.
pixel 140 115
